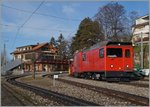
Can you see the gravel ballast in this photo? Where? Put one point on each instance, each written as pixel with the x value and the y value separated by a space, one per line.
pixel 33 98
pixel 119 87
pixel 77 92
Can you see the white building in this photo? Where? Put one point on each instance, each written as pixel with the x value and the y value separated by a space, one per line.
pixel 141 26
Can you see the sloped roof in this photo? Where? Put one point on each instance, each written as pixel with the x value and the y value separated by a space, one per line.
pixel 35 47
pixel 145 17
pixel 25 46
pixel 39 46
pixel 106 43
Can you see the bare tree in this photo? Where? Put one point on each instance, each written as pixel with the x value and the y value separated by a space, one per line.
pixel 112 17
pixel 133 15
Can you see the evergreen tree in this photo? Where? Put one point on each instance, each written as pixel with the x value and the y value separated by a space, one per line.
pixel 88 34
pixel 62 47
pixel 53 41
pixel 60 38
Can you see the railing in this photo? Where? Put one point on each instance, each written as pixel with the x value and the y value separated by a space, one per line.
pixel 9 66
pixel 52 61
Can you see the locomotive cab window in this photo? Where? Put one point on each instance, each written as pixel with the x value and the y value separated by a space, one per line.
pixel 101 53
pixel 114 52
pixel 83 57
pixel 127 53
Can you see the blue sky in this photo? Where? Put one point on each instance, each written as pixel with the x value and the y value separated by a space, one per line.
pixel 41 28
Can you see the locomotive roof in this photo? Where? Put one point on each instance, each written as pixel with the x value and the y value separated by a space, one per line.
pixel 107 43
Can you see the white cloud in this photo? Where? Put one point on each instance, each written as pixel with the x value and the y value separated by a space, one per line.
pixel 68 10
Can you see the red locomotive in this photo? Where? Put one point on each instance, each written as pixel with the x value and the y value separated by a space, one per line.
pixel 104 60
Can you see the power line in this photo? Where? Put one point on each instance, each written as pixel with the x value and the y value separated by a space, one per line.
pixel 69 32
pixel 38 28
pixel 27 21
pixel 70 19
pixel 32 14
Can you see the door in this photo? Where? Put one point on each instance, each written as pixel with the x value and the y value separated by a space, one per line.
pixel 128 63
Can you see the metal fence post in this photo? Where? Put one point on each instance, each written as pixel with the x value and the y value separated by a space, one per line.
pixel 142 50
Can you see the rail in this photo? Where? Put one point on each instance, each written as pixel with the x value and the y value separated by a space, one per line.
pixel 67 100
pixel 135 99
pixel 135 84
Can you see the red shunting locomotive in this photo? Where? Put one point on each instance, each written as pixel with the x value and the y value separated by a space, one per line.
pixel 104 60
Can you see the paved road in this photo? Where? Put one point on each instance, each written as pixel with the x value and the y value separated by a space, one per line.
pixel 8 99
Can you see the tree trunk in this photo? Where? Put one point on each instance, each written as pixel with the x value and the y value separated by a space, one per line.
pixel 33 75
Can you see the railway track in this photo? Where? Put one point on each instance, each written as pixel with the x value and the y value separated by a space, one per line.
pixel 123 83
pixel 64 99
pixel 135 99
pixel 144 80
pixel 135 84
pixel 132 84
pixel 11 97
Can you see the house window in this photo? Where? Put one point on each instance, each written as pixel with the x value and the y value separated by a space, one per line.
pixel 44 49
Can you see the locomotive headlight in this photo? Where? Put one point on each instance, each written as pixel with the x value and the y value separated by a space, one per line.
pixel 127 66
pixel 111 66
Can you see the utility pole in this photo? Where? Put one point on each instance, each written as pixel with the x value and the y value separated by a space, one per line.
pixel 149 53
pixel 33 64
pixel 4 54
pixel 142 50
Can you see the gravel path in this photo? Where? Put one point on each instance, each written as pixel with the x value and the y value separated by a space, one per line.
pixel 74 91
pixel 120 87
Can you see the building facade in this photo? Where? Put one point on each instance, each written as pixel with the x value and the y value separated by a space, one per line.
pixel 141 35
pixel 141 27
pixel 39 57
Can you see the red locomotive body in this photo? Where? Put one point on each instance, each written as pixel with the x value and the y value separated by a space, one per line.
pixel 106 59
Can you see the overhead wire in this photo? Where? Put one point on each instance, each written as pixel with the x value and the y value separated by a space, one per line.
pixel 36 28
pixel 62 18
pixel 32 14
pixel 15 26
pixel 26 22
